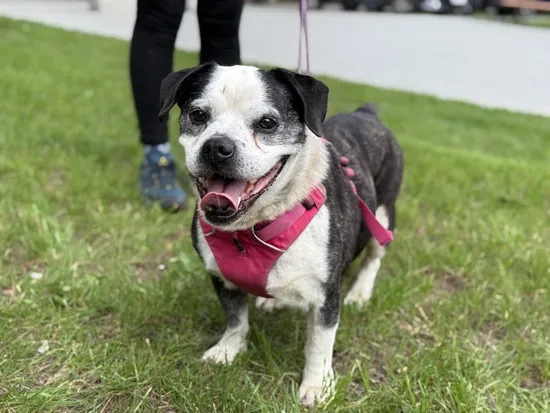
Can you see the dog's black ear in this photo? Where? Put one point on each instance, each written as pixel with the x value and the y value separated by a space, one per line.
pixel 182 81
pixel 311 94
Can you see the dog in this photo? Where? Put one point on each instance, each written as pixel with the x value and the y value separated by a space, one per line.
pixel 263 160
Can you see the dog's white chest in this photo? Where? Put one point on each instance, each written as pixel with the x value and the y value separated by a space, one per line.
pixel 296 279
pixel 298 275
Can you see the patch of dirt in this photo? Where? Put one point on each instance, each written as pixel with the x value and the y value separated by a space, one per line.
pixel 110 404
pixel 355 389
pixel 16 255
pixel 340 361
pixel 527 332
pixel 485 340
pixel 488 334
pixel 445 284
pixel 54 181
pixel 151 402
pixel 9 292
pixel 534 379
pixel 490 327
pixel 33 266
pixel 377 370
pixel 147 271
pixel 418 325
pixel 47 375
pixel 108 327
pixel 421 231
pixel 151 267
pixel 449 283
pixel 88 267
pixel 540 293
pixel 344 361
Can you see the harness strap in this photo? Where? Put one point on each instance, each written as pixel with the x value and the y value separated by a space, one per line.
pixel 285 221
pixel 268 231
pixel 381 234
pixel 246 257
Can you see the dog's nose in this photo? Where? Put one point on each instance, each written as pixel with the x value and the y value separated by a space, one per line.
pixel 218 150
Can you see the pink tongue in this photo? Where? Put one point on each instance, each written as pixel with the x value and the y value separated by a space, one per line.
pixel 222 194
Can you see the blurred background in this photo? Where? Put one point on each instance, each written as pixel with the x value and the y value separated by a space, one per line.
pixel 494 53
pixel 515 8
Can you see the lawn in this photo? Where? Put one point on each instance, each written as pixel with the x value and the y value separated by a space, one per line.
pixel 459 320
pixel 538 20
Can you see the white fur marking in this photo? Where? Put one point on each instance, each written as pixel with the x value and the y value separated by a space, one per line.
pixel 361 291
pixel 270 304
pixel 318 379
pixel 267 304
pixel 296 280
pixel 232 342
pixel 235 98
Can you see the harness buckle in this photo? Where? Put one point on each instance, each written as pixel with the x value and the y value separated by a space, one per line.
pixel 308 203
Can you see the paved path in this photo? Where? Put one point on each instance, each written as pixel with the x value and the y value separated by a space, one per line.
pixel 487 63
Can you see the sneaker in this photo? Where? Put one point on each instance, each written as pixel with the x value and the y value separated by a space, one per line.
pixel 157 179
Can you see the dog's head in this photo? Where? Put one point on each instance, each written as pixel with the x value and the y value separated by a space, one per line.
pixel 242 129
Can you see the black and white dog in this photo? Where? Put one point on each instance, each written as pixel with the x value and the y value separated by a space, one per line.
pixel 253 146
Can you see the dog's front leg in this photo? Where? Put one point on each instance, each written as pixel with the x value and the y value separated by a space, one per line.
pixel 318 379
pixel 233 341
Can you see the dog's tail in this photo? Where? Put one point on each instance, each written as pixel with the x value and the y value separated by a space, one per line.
pixel 368 108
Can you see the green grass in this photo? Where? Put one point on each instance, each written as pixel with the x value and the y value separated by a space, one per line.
pixel 542 20
pixel 539 20
pixel 460 317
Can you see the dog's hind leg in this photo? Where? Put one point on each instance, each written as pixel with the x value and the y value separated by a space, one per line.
pixel 361 290
pixel 233 341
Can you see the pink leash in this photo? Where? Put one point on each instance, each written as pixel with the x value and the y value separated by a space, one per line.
pixel 303 29
pixel 381 234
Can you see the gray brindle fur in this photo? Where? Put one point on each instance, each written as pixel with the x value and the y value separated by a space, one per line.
pixel 223 110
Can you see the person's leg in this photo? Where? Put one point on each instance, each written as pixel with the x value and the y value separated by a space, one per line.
pixel 219 22
pixel 151 59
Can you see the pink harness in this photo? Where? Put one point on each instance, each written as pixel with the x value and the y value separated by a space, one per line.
pixel 246 257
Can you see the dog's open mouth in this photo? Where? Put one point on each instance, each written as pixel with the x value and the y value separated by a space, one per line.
pixel 225 197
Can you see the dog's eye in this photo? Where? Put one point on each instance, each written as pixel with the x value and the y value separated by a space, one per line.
pixel 267 123
pixel 198 116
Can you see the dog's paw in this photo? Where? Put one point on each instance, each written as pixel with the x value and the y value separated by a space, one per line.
pixel 225 351
pixel 317 389
pixel 267 304
pixel 358 297
pixel 270 304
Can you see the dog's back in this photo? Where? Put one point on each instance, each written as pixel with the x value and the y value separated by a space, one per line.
pixel 373 152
